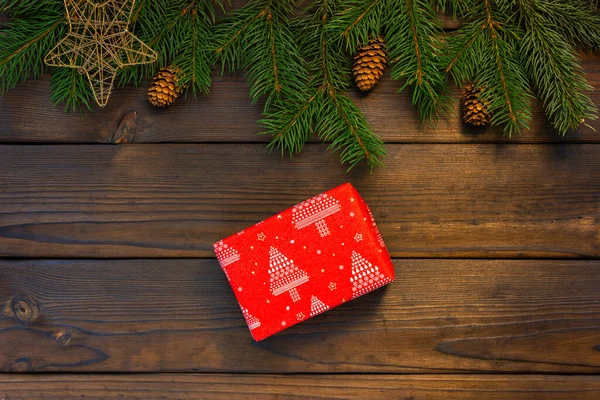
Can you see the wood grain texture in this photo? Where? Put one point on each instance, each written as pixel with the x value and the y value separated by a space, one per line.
pixel 181 315
pixel 177 200
pixel 278 387
pixel 227 115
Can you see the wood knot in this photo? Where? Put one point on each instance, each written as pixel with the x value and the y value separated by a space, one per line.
pixel 63 338
pixel 21 365
pixel 23 309
pixel 125 132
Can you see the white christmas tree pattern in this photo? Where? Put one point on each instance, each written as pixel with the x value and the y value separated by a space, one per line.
pixel 251 320
pixel 379 238
pixel 317 306
pixel 314 211
pixel 365 276
pixel 225 254
pixel 285 275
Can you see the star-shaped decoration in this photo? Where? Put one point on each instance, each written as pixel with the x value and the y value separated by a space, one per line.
pixel 358 237
pixel 322 269
pixel 332 286
pixel 300 316
pixel 352 199
pixel 240 289
pixel 98 43
pixel 283 323
pixel 251 247
pixel 341 267
pixel 268 301
pixel 318 251
pixel 262 237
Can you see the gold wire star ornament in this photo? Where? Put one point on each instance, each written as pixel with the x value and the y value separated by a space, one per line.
pixel 98 43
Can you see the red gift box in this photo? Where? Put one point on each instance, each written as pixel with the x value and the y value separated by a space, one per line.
pixel 305 260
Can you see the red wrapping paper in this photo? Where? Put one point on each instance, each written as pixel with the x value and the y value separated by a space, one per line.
pixel 305 260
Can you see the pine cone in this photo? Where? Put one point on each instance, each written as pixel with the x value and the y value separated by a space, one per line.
pixel 475 109
pixel 369 63
pixel 165 88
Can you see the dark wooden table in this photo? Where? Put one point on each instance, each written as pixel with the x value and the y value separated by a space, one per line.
pixel 107 221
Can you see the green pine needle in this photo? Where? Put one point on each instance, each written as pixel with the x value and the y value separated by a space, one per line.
pixel 555 70
pixel 322 109
pixel 258 39
pixel 72 88
pixel 24 44
pixel 180 31
pixel 485 51
pixel 413 41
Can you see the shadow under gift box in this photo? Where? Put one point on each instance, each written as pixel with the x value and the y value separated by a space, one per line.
pixel 305 260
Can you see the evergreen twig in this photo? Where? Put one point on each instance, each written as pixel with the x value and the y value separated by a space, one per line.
pixel 485 51
pixel 180 31
pixel 323 109
pixel 257 38
pixel 25 42
pixel 554 68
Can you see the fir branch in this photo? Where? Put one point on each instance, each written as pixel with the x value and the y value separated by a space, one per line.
pixel 412 30
pixel 30 8
pixel 180 31
pixel 555 70
pixel 257 38
pixel 350 132
pixel 413 42
pixel 322 109
pixel 358 20
pixel 23 45
pixel 485 51
pixel 572 19
pixel 72 88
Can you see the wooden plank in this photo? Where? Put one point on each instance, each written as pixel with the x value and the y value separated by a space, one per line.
pixel 177 200
pixel 227 115
pixel 180 315
pixel 272 387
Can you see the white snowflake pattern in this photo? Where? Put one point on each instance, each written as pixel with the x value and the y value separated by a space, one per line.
pixel 240 289
pixel 352 214
pixel 318 251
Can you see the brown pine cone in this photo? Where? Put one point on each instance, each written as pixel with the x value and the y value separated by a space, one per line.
pixel 475 109
pixel 369 63
pixel 165 88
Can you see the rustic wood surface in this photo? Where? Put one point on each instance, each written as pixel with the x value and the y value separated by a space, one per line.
pixel 107 265
pixel 181 315
pixel 277 387
pixel 176 200
pixel 227 115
